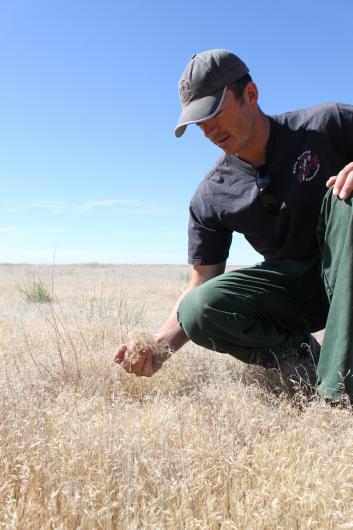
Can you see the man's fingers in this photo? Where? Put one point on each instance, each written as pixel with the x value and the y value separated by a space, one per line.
pixel 123 356
pixel 147 370
pixel 138 367
pixel 151 365
pixel 120 353
pixel 347 186
pixel 146 365
pixel 330 182
pixel 343 186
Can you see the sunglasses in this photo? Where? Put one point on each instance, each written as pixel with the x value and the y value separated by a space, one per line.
pixel 268 200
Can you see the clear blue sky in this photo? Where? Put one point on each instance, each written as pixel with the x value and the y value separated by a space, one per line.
pixel 90 168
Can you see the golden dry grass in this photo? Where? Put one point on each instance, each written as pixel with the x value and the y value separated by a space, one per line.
pixel 207 443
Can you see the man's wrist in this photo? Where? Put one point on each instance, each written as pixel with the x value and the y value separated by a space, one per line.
pixel 172 343
pixel 165 345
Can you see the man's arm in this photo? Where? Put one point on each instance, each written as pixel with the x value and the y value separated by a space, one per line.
pixel 170 334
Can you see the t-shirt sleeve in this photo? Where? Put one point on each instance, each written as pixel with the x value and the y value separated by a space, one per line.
pixel 209 241
pixel 346 115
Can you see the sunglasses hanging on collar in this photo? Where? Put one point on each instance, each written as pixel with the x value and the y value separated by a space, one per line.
pixel 263 183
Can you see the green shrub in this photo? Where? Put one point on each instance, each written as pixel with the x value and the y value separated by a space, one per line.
pixel 36 292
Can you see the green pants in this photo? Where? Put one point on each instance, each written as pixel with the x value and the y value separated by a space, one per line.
pixel 269 306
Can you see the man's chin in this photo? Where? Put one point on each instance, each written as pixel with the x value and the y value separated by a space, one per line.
pixel 227 150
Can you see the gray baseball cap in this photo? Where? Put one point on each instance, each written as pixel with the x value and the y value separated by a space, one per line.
pixel 203 85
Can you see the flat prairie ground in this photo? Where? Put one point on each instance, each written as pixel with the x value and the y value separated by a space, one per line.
pixel 207 443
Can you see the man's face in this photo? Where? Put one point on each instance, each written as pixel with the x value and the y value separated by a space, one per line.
pixel 232 129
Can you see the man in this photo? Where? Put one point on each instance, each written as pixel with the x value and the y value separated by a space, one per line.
pixel 269 185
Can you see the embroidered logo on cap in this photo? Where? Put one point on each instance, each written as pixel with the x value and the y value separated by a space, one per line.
pixel 306 167
pixel 185 91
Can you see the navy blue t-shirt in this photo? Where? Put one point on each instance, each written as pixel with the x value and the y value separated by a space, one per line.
pixel 304 149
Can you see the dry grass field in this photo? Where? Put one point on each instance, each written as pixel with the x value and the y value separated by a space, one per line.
pixel 207 443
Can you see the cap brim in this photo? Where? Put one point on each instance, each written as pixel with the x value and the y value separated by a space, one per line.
pixel 200 110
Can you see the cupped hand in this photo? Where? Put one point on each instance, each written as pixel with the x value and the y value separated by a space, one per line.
pixel 146 365
pixel 342 183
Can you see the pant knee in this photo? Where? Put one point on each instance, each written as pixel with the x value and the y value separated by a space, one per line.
pixel 206 318
pixel 191 315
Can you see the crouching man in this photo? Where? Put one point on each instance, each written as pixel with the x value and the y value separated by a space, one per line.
pixel 270 185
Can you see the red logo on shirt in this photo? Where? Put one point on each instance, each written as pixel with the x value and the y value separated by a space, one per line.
pixel 306 167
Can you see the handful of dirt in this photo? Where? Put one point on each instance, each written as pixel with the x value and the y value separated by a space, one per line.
pixel 140 341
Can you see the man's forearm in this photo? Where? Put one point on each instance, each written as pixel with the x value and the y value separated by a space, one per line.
pixel 171 333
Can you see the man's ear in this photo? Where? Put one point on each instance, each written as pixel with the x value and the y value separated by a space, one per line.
pixel 251 93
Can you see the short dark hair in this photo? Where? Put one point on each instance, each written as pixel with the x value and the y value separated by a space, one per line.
pixel 238 86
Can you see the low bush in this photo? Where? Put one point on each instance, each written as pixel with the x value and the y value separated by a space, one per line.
pixel 36 292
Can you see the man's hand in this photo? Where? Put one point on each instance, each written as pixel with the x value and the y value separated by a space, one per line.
pixel 342 183
pixel 170 336
pixel 146 365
